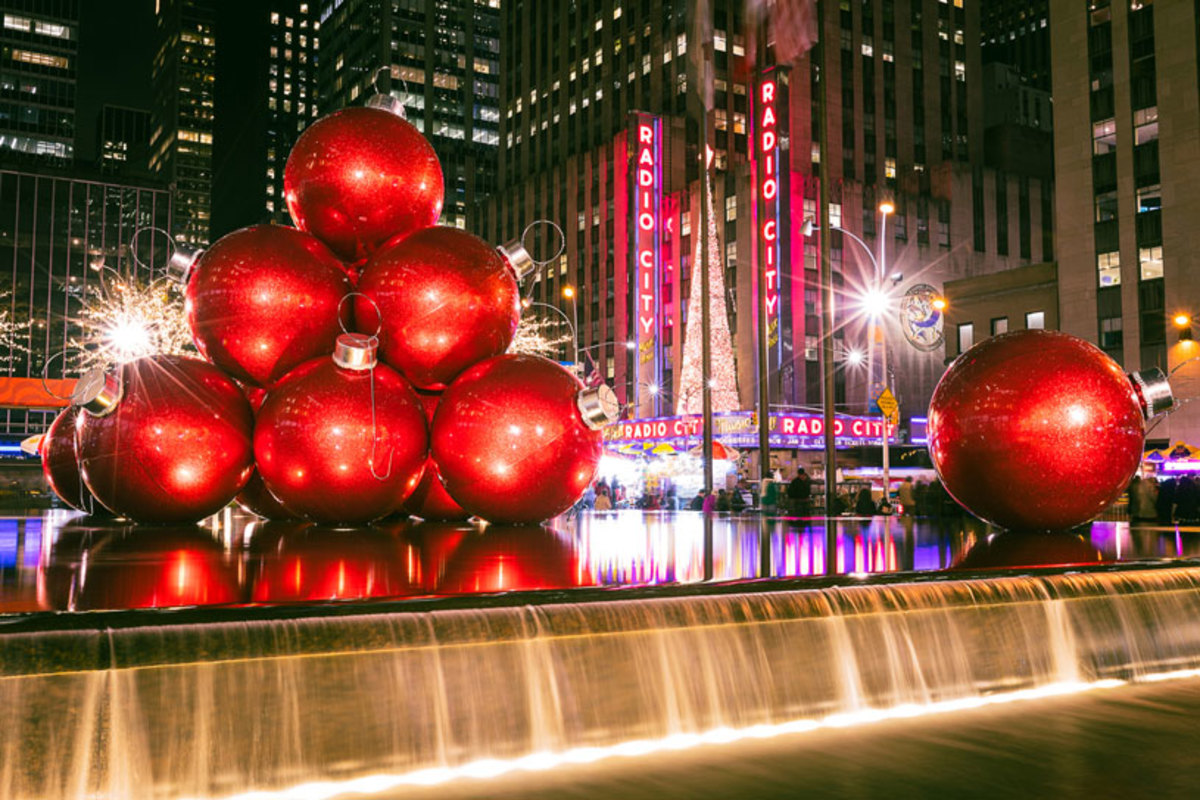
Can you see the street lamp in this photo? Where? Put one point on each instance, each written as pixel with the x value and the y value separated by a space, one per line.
pixel 569 293
pixel 876 303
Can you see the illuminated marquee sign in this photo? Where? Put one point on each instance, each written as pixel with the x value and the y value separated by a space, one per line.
pixel 785 429
pixel 647 246
pixel 772 204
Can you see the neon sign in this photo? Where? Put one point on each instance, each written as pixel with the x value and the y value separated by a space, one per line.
pixel 647 228
pixel 740 425
pixel 772 211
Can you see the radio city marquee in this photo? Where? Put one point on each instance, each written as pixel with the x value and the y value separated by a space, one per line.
pixel 647 205
pixel 739 428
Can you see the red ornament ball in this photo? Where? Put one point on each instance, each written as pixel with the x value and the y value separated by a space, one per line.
pixel 256 499
pixel 265 299
pixel 430 500
pixel 1035 430
pixel 319 452
pixel 511 442
pixel 362 176
pixel 448 300
pixel 172 446
pixel 61 466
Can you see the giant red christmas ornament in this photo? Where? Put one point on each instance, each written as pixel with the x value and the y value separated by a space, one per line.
pixel 362 176
pixel 258 500
pixel 263 300
pixel 447 298
pixel 61 466
pixel 517 438
pixel 430 500
pixel 1038 430
pixel 342 440
pixel 163 438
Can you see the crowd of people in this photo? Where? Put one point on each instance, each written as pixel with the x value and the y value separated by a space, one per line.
pixel 775 495
pixel 1166 502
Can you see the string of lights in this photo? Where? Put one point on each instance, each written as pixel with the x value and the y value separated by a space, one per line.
pixel 724 366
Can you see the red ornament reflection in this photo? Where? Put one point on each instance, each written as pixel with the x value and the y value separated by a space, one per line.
pixel 512 558
pixel 1015 549
pixel 140 567
pixel 316 564
pixel 1035 430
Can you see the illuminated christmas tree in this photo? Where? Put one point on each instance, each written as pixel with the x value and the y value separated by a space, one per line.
pixel 724 367
pixel 538 336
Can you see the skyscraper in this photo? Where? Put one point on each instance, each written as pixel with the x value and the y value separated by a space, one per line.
pixel 1127 161
pixel 39 43
pixel 181 137
pixel 905 122
pixel 443 59
pixel 123 140
pixel 266 96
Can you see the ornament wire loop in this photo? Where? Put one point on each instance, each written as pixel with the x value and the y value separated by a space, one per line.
pixel 374 305
pixel 562 240
pixel 375 438
pixel 152 229
pixel 46 373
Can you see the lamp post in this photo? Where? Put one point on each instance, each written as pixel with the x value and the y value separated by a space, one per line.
pixel 877 302
pixel 569 293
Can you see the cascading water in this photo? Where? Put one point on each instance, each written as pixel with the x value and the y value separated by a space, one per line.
pixel 211 709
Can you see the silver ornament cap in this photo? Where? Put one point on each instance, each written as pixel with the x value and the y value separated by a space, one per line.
pixel 518 258
pixel 182 262
pixel 599 407
pixel 1153 392
pixel 388 103
pixel 356 351
pixel 98 392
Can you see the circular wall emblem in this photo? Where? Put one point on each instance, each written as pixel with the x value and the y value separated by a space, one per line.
pixel 920 321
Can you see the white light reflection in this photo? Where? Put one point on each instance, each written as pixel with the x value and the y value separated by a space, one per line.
pixel 540 761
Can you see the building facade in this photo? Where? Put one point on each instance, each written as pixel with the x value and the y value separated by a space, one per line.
pixel 123 141
pixel 39 45
pixel 443 59
pixel 1127 233
pixel 904 121
pixel 1016 299
pixel 63 241
pixel 181 137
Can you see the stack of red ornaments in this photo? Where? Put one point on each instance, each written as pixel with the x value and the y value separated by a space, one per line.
pixel 354 365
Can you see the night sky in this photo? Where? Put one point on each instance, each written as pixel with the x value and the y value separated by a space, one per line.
pixel 115 52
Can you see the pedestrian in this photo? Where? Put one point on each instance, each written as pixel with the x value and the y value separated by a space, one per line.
pixel 603 502
pixel 864 506
pixel 710 502
pixel 769 496
pixel 799 493
pixel 906 496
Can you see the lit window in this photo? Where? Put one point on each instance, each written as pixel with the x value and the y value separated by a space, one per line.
pixel 889 168
pixel 17 23
pixel 835 215
pixel 1145 125
pixel 999 326
pixel 1109 267
pixel 1035 320
pixel 1104 136
pixel 41 59
pixel 719 41
pixel 966 336
pixel 1149 198
pixel 1150 262
pixel 680 44
pixel 731 208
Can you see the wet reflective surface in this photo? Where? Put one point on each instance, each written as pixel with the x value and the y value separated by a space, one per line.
pixel 64 561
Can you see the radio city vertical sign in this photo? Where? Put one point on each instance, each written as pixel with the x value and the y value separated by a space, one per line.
pixel 772 206
pixel 646 207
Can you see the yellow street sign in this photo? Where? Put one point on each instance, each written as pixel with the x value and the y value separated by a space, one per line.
pixel 887 403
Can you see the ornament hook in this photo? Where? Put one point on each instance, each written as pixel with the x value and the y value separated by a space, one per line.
pixel 179 264
pixel 562 240
pixel 46 374
pixel 374 305
pixel 385 101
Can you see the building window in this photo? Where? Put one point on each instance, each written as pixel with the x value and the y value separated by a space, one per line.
pixel 999 325
pixel 1106 206
pixel 1109 267
pixel 731 208
pixel 835 215
pixel 1035 320
pixel 1149 198
pixel 1150 263
pixel 1112 335
pixel 966 337
pixel 1104 136
pixel 1145 125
